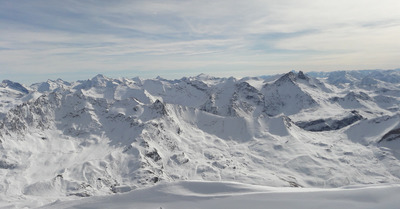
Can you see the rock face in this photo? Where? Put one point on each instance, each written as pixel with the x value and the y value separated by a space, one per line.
pixel 105 135
pixel 392 135
pixel 330 124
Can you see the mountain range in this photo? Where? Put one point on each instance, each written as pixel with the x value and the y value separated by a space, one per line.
pixel 63 140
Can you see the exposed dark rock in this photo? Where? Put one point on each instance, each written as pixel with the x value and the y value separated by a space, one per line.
pixel 392 135
pixel 301 75
pixel 180 158
pixel 7 165
pixel 209 105
pixel 153 155
pixel 159 107
pixel 154 179
pixel 288 77
pixel 329 124
pixel 80 194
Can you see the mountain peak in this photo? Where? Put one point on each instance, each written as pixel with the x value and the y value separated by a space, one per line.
pixel 100 80
pixel 99 77
pixel 292 77
pixel 203 76
pixel 15 86
pixel 301 75
pixel 288 77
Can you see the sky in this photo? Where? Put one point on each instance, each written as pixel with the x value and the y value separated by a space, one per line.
pixel 76 40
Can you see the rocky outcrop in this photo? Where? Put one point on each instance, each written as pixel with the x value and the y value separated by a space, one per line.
pixel 329 124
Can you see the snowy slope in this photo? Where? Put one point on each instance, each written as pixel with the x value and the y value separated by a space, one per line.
pixel 101 136
pixel 12 94
pixel 233 195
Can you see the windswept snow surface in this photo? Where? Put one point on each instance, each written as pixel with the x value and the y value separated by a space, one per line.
pixel 210 195
pixel 101 136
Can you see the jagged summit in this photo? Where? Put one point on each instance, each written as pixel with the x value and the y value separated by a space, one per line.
pixel 288 77
pixel 292 77
pixel 301 75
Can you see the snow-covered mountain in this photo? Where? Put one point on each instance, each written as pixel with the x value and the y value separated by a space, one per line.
pixel 103 135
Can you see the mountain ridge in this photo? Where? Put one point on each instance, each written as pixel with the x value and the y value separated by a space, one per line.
pixel 103 135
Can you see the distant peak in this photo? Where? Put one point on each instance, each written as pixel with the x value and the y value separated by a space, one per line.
pixel 5 81
pixel 302 76
pixel 290 76
pixel 15 86
pixel 293 76
pixel 204 76
pixel 99 76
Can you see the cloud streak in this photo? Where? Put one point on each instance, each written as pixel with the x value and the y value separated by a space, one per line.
pixel 174 38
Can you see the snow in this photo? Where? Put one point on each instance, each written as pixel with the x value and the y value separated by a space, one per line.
pixel 217 142
pixel 192 194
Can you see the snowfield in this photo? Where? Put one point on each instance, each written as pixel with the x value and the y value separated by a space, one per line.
pixel 286 140
pixel 216 195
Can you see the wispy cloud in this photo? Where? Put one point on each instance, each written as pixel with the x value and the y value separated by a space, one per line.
pixel 173 38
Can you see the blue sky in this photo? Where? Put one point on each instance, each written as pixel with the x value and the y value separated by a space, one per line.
pixel 76 40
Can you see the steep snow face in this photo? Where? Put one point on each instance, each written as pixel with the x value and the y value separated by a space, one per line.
pixel 103 135
pixel 285 96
